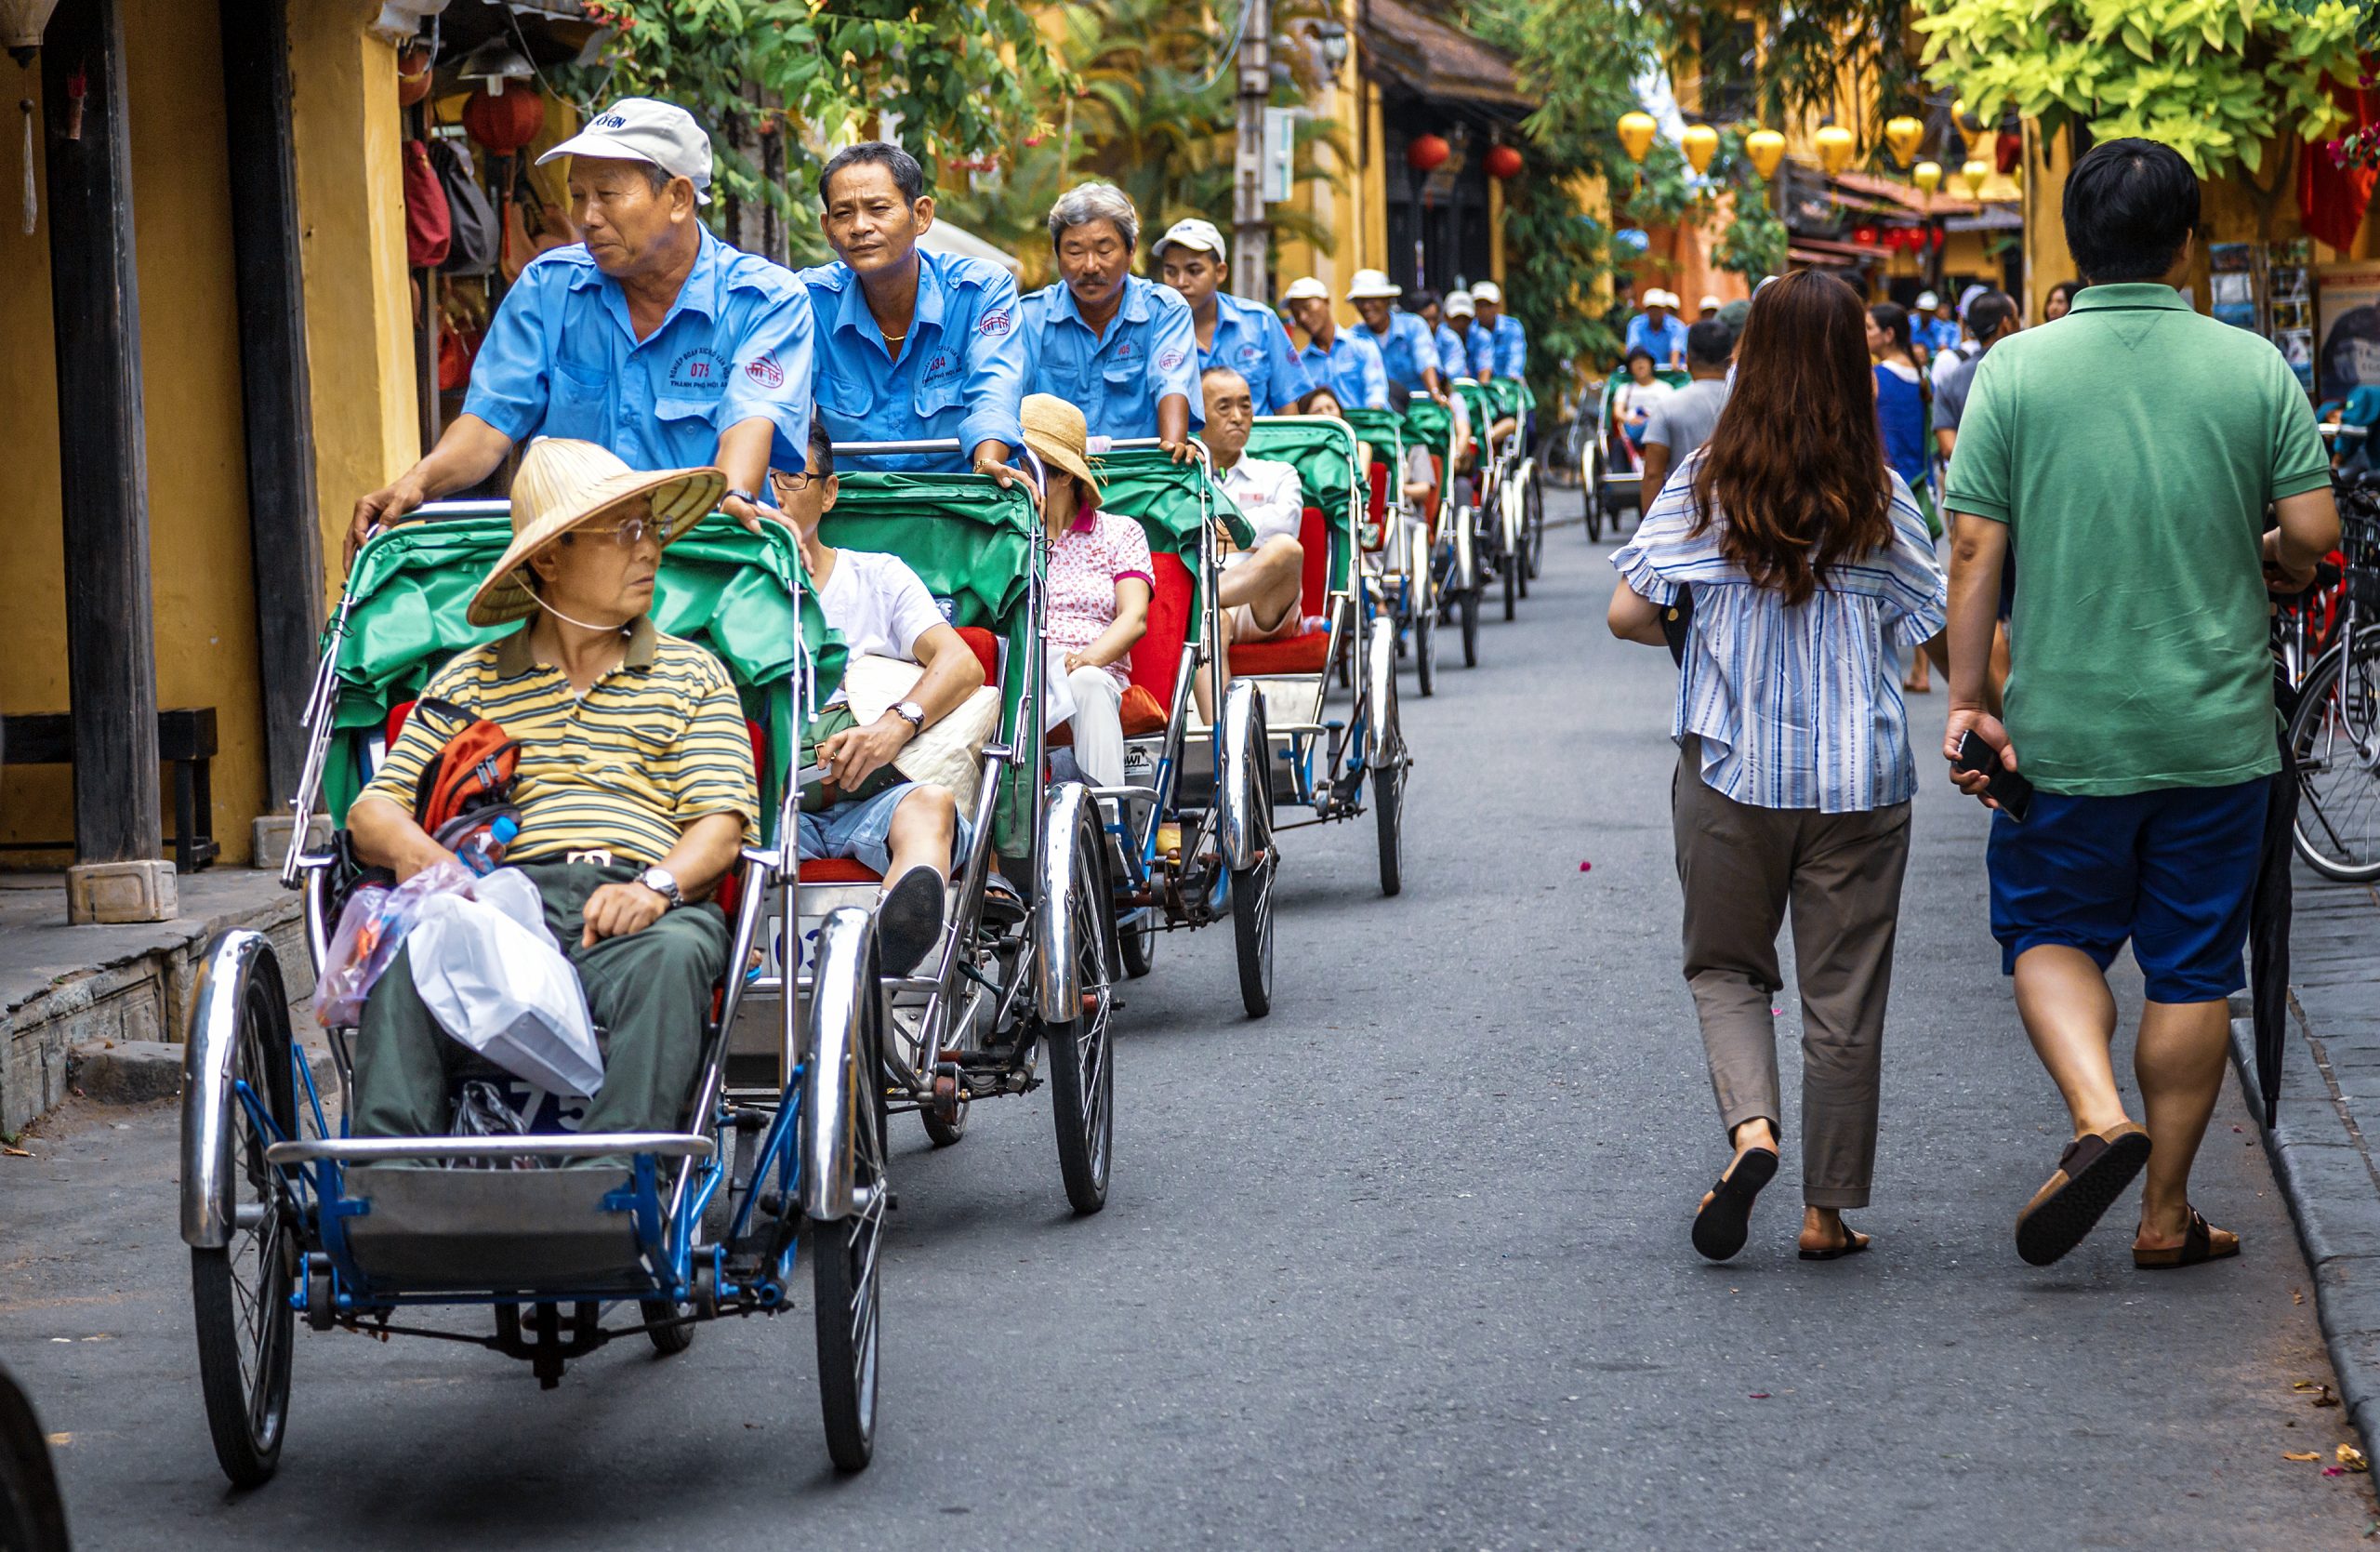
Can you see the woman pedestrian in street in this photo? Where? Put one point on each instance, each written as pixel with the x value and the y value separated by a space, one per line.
pixel 1792 571
pixel 2060 300
pixel 1904 409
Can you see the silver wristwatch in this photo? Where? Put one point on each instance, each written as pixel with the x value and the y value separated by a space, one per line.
pixel 912 713
pixel 659 881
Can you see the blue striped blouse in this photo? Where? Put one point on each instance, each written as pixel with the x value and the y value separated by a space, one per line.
pixel 1799 706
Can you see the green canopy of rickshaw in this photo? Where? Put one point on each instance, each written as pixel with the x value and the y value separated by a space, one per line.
pixel 1512 395
pixel 1322 449
pixel 720 586
pixel 1485 408
pixel 1168 499
pixel 1430 423
pixel 971 542
pixel 1384 429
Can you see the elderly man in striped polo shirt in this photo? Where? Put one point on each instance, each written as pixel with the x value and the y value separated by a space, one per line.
pixel 635 788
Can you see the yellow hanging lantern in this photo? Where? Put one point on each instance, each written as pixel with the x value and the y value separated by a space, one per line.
pixel 1637 135
pixel 1901 136
pixel 1700 143
pixel 1835 146
pixel 1973 175
pixel 1927 176
pixel 1766 149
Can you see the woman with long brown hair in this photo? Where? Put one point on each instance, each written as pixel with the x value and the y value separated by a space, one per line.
pixel 1790 571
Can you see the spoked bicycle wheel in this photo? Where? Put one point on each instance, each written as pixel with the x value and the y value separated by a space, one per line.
pixel 240 1292
pixel 1251 887
pixel 2335 735
pixel 1533 521
pixel 1426 634
pixel 846 1253
pixel 1081 1050
pixel 1387 776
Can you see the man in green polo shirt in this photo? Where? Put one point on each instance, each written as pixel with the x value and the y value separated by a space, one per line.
pixel 2125 457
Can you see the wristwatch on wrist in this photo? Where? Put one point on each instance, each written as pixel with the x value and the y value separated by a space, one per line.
pixel 749 498
pixel 912 713
pixel 659 881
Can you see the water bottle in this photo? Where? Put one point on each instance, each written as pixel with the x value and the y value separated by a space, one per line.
pixel 482 850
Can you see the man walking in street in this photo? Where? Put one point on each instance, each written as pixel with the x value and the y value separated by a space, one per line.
pixel 1992 316
pixel 1683 421
pixel 2128 457
pixel 650 336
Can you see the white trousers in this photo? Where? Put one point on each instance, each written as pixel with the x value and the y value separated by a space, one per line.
pixel 1099 725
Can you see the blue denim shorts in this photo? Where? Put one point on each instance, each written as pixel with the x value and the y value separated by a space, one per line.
pixel 856 828
pixel 2172 870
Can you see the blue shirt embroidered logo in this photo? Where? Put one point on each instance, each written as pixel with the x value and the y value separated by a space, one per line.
pixel 1249 339
pixel 960 372
pixel 1117 379
pixel 562 359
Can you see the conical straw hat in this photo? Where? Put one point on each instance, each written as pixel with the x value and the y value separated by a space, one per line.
pixel 565 484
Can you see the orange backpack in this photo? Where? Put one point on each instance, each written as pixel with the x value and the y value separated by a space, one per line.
pixel 471 775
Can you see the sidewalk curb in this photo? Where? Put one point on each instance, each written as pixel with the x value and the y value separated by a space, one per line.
pixel 2325 1171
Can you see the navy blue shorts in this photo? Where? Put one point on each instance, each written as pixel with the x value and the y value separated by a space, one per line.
pixel 2172 870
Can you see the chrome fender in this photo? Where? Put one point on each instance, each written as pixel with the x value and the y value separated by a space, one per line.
pixel 225 969
pixel 1381 718
pixel 1057 963
pixel 843 989
pixel 1242 777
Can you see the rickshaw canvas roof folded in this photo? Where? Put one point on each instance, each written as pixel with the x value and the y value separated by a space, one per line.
pixel 1430 423
pixel 1382 428
pixel 1169 501
pixel 721 585
pixel 971 542
pixel 1322 449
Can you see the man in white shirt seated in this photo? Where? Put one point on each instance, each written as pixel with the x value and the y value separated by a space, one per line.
pixel 862 808
pixel 1261 584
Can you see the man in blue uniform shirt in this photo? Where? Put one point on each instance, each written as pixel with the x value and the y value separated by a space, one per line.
pixel 650 337
pixel 1506 343
pixel 912 345
pixel 1409 351
pixel 1659 330
pixel 1455 327
pixel 1120 347
pixel 1344 361
pixel 1244 336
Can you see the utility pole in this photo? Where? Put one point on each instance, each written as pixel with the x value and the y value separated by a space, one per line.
pixel 1249 263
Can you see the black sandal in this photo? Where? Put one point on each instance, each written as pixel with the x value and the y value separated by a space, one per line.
pixel 1723 1223
pixel 1853 1244
pixel 2092 1172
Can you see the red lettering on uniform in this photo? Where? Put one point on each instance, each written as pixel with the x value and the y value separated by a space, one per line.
pixel 766 372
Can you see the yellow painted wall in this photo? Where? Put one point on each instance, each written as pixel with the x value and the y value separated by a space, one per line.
pixel 359 296
pixel 203 605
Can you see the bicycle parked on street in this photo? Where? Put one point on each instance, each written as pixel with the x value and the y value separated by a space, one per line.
pixel 2326 643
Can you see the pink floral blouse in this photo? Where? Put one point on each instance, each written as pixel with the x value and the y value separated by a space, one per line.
pixel 1088 559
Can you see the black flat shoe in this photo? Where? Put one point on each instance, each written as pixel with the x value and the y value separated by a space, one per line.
pixel 1723 1223
pixel 908 921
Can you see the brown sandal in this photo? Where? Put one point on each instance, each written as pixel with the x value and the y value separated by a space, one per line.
pixel 2092 1172
pixel 2199 1245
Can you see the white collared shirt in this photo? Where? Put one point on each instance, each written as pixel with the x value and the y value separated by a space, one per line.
pixel 1268 496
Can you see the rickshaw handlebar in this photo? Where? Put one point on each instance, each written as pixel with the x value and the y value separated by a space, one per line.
pixel 582 1144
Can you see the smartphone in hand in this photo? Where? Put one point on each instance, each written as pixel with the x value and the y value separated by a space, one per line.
pixel 2004 787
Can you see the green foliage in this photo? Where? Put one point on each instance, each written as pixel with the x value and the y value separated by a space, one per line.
pixel 1775 62
pixel 2218 80
pixel 963 77
pixel 1154 116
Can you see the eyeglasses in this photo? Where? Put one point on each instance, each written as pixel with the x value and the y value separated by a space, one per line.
pixel 794 485
pixel 629 531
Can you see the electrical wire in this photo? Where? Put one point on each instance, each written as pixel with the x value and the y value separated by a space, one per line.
pixel 1230 54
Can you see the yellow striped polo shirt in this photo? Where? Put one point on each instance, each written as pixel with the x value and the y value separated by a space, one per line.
pixel 654 745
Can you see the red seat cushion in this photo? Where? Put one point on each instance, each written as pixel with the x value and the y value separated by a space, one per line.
pixel 838 869
pixel 1140 714
pixel 1313 536
pixel 987 648
pixel 397 715
pixel 1157 657
pixel 1376 507
pixel 1302 654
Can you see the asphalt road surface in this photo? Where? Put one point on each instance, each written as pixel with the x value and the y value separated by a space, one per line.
pixel 1403 1266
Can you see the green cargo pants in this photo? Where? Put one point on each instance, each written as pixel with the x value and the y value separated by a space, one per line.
pixel 648 990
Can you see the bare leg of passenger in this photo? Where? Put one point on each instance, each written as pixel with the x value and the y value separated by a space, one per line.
pixel 917 843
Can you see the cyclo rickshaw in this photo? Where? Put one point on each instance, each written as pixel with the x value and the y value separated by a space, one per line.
pixel 1026 960
pixel 1326 765
pixel 1208 782
pixel 1495 534
pixel 1611 467
pixel 1525 515
pixel 1397 551
pixel 1455 579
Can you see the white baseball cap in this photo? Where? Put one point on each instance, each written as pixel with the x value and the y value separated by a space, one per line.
pixel 1198 236
pixel 1711 304
pixel 1928 302
pixel 1458 305
pixel 1304 289
pixel 638 129
pixel 1968 296
pixel 1369 284
pixel 1658 298
pixel 1487 291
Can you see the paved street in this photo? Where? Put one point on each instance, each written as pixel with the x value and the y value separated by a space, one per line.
pixel 1405 1264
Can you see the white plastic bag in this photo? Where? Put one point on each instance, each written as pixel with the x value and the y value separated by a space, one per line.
pixel 506 992
pixel 509 891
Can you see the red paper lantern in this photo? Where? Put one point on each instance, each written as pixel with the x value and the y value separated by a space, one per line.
pixel 1502 162
pixel 504 124
pixel 1427 153
pixel 413 75
pixel 2009 150
pixel 1864 235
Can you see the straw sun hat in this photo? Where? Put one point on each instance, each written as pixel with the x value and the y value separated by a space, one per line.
pixel 565 484
pixel 1056 432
